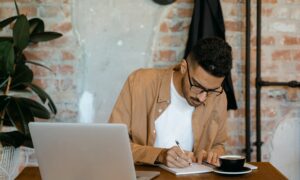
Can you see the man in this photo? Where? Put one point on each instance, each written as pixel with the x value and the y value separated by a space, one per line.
pixel 184 103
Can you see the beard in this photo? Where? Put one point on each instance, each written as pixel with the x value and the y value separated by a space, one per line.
pixel 191 100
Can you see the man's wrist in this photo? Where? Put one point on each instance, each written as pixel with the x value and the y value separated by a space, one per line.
pixel 161 158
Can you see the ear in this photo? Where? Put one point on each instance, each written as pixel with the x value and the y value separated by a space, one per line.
pixel 183 66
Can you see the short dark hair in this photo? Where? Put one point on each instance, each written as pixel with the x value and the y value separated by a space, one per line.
pixel 213 54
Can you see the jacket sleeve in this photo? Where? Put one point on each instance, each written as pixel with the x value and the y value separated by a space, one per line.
pixel 221 137
pixel 122 113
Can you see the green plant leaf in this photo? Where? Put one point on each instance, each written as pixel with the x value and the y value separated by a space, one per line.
pixel 38 64
pixel 3 83
pixel 4 101
pixel 7 21
pixel 9 39
pixel 36 108
pixel 43 96
pixel 21 58
pixel 23 74
pixel 21 32
pixel 17 9
pixel 36 25
pixel 20 114
pixel 7 57
pixel 12 138
pixel 44 36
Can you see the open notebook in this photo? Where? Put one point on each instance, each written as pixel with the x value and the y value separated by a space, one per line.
pixel 196 168
pixel 193 169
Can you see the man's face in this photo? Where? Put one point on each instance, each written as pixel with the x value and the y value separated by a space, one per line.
pixel 197 84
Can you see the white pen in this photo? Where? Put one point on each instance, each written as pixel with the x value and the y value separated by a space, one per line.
pixel 181 149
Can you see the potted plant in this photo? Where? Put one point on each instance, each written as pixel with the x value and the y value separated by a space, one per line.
pixel 18 109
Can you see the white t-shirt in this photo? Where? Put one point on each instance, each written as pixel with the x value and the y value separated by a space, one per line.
pixel 175 123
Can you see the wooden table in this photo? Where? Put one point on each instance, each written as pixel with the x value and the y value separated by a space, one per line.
pixel 265 171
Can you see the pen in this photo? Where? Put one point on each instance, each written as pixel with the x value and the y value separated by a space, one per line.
pixel 179 146
pixel 208 164
pixel 181 149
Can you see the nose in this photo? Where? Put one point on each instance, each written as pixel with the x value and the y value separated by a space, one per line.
pixel 202 96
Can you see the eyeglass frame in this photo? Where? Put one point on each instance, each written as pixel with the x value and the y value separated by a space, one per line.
pixel 202 89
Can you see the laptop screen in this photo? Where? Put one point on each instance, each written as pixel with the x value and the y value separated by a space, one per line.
pixel 82 151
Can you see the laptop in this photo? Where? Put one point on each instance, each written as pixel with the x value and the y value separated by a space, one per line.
pixel 76 151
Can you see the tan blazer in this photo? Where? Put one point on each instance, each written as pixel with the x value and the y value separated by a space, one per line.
pixel 145 95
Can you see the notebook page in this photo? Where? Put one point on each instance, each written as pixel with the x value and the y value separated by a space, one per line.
pixel 195 168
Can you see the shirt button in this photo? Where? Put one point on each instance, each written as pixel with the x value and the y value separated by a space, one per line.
pixel 160 110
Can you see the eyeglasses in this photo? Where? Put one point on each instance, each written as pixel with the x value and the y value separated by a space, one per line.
pixel 199 89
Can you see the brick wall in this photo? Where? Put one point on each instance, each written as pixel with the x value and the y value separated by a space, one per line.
pixel 170 38
pixel 280 61
pixel 280 57
pixel 61 55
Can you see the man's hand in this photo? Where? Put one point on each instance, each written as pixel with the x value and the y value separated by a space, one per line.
pixel 174 157
pixel 212 157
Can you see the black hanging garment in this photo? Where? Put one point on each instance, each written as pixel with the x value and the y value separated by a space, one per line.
pixel 207 21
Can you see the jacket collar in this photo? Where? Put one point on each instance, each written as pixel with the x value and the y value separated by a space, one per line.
pixel 164 92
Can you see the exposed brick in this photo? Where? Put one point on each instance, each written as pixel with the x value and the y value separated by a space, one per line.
pixel 234 26
pixel 63 27
pixel 266 12
pixel 170 14
pixel 164 27
pixel 172 40
pixel 167 55
pixel 184 13
pixel 37 55
pixel 291 40
pixel 269 1
pixel 40 72
pixel 66 69
pixel 67 55
pixel 7 12
pixel 41 83
pixel 234 11
pixel 28 11
pixel 298 68
pixel 18 1
pixel 269 40
pixel 292 95
pixel 281 55
pixel 296 55
pixel 280 42
pixel 63 69
pixel 177 27
pixel 60 42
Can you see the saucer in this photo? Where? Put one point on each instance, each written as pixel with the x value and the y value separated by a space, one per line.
pixel 245 170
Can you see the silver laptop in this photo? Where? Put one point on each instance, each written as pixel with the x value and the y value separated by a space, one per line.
pixel 76 151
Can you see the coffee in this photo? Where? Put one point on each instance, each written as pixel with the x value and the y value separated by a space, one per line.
pixel 231 158
pixel 231 162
